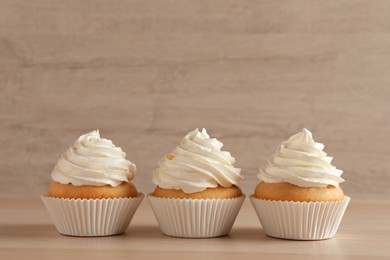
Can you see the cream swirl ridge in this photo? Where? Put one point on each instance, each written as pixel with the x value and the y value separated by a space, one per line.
pixel 197 164
pixel 301 161
pixel 93 161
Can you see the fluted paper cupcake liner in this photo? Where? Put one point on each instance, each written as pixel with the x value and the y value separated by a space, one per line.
pixel 195 218
pixel 300 220
pixel 91 217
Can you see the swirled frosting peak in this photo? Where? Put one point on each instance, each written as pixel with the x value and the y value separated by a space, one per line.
pixel 197 164
pixel 93 161
pixel 301 161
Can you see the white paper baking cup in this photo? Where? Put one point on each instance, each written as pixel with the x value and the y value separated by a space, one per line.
pixel 300 220
pixel 195 218
pixel 91 217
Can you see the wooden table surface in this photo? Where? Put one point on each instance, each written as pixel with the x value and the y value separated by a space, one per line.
pixel 26 232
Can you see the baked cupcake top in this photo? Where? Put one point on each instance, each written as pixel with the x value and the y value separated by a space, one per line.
pixel 197 164
pixel 94 161
pixel 301 161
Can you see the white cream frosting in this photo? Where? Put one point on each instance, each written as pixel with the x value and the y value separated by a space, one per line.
pixel 197 164
pixel 93 161
pixel 301 161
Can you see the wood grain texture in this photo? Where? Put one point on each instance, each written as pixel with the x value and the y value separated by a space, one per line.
pixel 26 231
pixel 147 72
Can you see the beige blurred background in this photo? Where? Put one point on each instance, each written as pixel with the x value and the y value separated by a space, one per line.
pixel 146 72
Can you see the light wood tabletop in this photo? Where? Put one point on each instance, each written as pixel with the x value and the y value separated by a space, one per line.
pixel 26 231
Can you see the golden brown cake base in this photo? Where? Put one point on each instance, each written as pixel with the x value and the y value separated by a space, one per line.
pixel 290 192
pixel 124 190
pixel 210 193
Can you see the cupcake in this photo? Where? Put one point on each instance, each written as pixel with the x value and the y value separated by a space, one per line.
pixel 197 191
pixel 299 195
pixel 91 193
